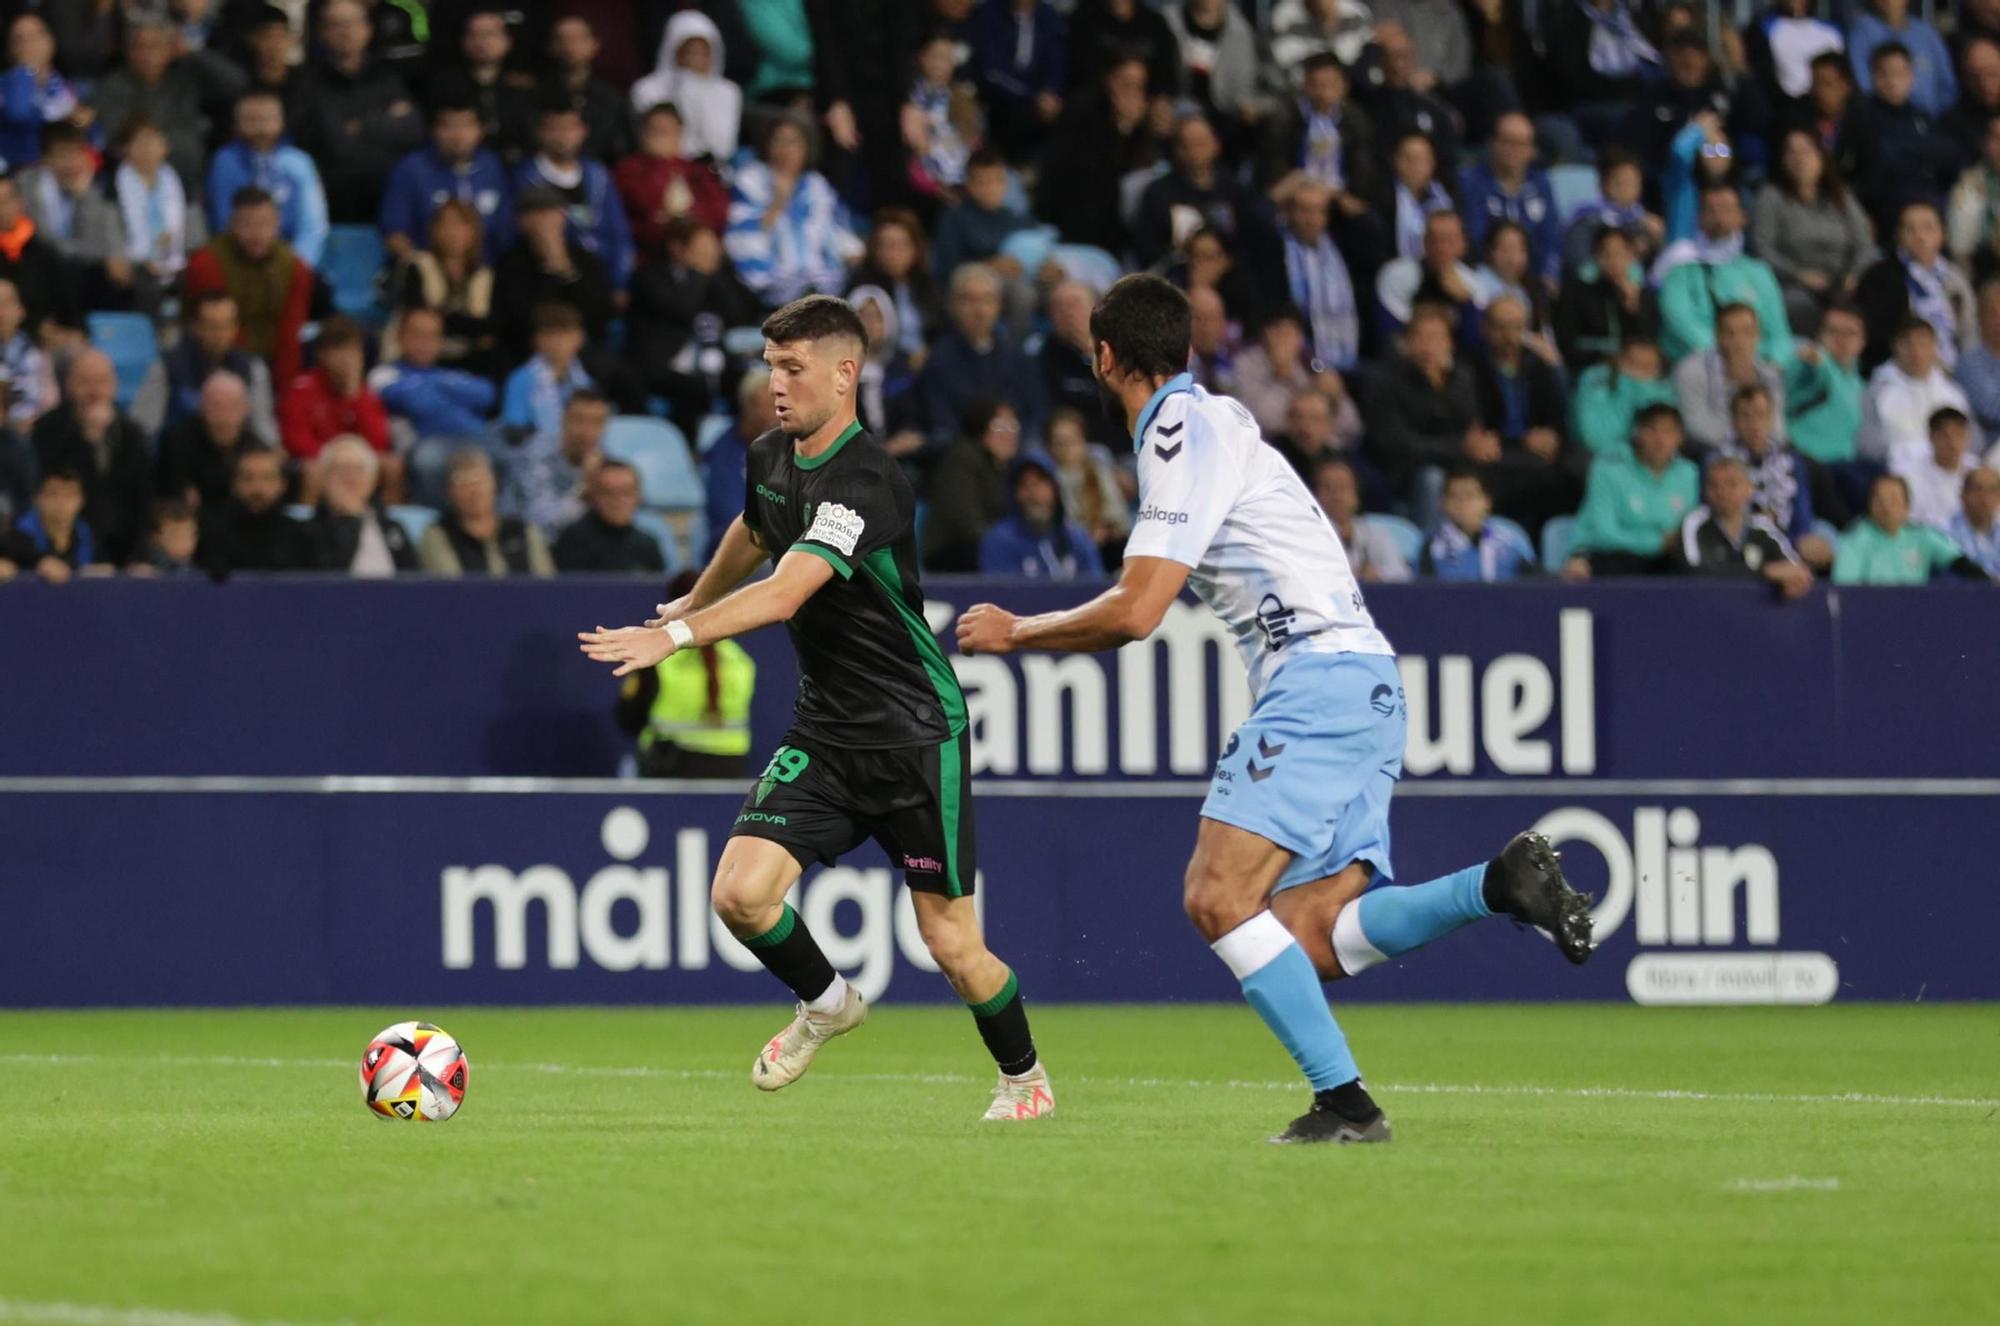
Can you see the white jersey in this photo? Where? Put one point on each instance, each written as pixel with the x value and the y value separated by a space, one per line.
pixel 1213 496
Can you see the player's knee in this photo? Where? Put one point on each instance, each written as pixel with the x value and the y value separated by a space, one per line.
pixel 742 906
pixel 953 947
pixel 1211 903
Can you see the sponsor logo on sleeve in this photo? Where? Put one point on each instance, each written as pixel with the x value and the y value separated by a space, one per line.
pixel 837 527
pixel 1164 516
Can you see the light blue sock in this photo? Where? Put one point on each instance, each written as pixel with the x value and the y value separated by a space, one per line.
pixel 1388 922
pixel 1280 983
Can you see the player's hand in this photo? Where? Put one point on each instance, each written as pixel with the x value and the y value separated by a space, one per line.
pixel 986 629
pixel 631 647
pixel 680 607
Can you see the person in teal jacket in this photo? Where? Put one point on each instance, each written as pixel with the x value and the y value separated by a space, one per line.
pixel 1887 548
pixel 785 39
pixel 1823 389
pixel 1632 510
pixel 1610 396
pixel 1698 276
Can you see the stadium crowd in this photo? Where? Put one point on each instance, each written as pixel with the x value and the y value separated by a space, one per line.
pixel 1579 287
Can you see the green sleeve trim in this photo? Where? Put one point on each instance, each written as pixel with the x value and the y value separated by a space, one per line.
pixel 828 555
pixel 778 933
pixel 1007 994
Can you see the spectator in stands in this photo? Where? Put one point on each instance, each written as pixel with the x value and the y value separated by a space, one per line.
pixel 1780 488
pixel 1402 98
pixel 1440 276
pixel 1919 159
pixel 275 291
pixel 537 391
pixel 450 278
pixel 431 398
pixel 1725 537
pixel 1372 553
pixel 348 531
pixel 1208 264
pixel 1020 61
pixel 1978 20
pixel 1605 303
pixel 1917 280
pixel 1468 545
pixel 1316 277
pixel 472 538
pixel 161 229
pixel 1522 402
pixel 1633 507
pixel 353 114
pixel 1888 548
pixel 1904 393
pixel 198 453
pixel 70 211
pixel 973 362
pixel 1211 344
pixel 1936 468
pixel 1423 416
pixel 1693 87
pixel 969 485
pixel 27 381
pixel 1036 539
pixel 1412 193
pixel 1823 390
pixel 886 399
pixel 90 435
pixel 1698 276
pixel 896 262
pixel 31 264
pixel 1508 186
pixel 1604 63
pixel 1305 31
pixel 1707 381
pixel 1620 204
pixel 1782 43
pixel 1103 136
pixel 54 541
pixel 1325 139
pixel 1088 478
pixel 32 94
pixel 1979 104
pixel 503 101
pixel 679 308
pixel 596 212
pixel 17 476
pixel 547 484
pixel 605 539
pixel 788 230
pixel 453 167
pixel 975 228
pixel 725 465
pixel 1277 368
pixel 166 90
pixel 1508 270
pixel 1811 230
pixel 1610 396
pixel 1312 431
pixel 172 537
pixel 251 530
pixel 1838 119
pixel 939 119
pixel 659 184
pixel 688 73
pixel 1888 24
pixel 208 345
pixel 1979 366
pixel 267 50
pixel 1974 528
pixel 1196 193
pixel 1974 212
pixel 259 156
pixel 606 111
pixel 332 399
pixel 545 265
pixel 1219 51
pixel 1104 32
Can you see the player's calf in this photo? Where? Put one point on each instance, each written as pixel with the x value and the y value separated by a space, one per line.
pixel 950 930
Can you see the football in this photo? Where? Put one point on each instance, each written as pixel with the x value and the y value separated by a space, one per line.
pixel 414 1071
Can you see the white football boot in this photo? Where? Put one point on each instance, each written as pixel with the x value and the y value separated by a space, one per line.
pixel 1017 1099
pixel 786 1056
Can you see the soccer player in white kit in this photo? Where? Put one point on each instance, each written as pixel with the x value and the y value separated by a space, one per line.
pixel 1295 828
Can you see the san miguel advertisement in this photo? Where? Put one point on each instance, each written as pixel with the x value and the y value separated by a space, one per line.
pixel 1772 803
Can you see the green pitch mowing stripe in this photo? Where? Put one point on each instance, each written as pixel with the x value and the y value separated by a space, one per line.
pixel 1553 1165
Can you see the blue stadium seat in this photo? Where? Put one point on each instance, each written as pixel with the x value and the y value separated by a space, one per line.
pixel 1408 538
pixel 743 342
pixel 354 256
pixel 414 520
pixel 670 546
pixel 659 451
pixel 709 429
pixel 130 341
pixel 1029 247
pixel 1088 264
pixel 299 510
pixel 1573 186
pixel 1557 536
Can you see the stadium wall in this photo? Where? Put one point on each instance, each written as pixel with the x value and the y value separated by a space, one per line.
pixel 1774 804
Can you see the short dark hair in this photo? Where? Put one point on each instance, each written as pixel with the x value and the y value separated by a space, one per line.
pixel 59 473
pixel 1719 186
pixel 251 196
pixel 134 125
pixel 1733 307
pixel 1896 479
pixel 1607 230
pixel 1686 39
pixel 1144 319
pixel 586 396
pixel 1281 312
pixel 659 107
pixel 1947 414
pixel 1463 472
pixel 337 331
pixel 249 449
pixel 168 510
pixel 677 233
pixel 1321 60
pixel 1887 50
pixel 985 158
pixel 1655 412
pixel 556 315
pixel 453 106
pixel 1834 60
pixel 1910 326
pixel 815 318
pixel 263 94
pixel 61 133
pixel 1615 158
pixel 1749 391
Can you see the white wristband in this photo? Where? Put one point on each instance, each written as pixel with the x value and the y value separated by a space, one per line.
pixel 680 633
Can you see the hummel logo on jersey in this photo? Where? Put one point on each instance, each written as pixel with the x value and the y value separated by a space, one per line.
pixel 1168 453
pixel 1268 751
pixel 1167 430
pixel 1163 515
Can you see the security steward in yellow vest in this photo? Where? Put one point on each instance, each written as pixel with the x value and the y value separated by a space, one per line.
pixel 692 712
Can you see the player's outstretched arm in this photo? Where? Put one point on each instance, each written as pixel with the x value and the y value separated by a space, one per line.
pixel 738 555
pixel 1130 610
pixel 799 576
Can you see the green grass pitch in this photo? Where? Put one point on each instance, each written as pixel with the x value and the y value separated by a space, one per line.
pixel 208 1168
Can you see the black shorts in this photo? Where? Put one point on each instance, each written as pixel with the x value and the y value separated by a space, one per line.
pixel 820 802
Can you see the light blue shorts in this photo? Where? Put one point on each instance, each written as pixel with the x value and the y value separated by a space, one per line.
pixel 1313 766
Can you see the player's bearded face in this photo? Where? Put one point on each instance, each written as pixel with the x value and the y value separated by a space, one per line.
pixel 806 383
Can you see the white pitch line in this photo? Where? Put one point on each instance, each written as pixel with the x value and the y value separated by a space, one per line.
pixel 1790 1183
pixel 92 1314
pixel 1167 1083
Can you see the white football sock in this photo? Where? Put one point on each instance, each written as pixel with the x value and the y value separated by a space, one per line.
pixel 831 998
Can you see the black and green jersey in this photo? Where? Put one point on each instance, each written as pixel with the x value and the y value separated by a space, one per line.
pixel 871 674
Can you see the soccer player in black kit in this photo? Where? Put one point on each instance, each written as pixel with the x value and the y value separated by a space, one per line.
pixel 877 741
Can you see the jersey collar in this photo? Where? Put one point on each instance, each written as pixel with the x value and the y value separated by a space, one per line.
pixel 1179 382
pixel 814 462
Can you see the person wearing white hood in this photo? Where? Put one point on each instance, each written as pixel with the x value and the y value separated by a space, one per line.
pixel 887 406
pixel 687 73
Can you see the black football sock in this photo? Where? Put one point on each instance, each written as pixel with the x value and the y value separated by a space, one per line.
pixel 790 953
pixel 1003 1025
